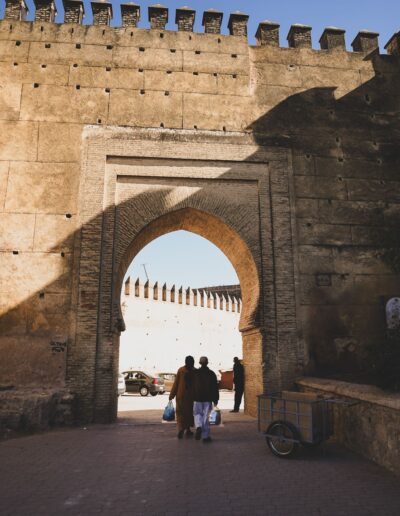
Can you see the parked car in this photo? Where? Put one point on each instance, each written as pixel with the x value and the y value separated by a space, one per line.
pixel 121 384
pixel 169 379
pixel 143 383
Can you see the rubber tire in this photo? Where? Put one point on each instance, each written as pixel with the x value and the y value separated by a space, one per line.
pixel 291 432
pixel 144 391
pixel 153 393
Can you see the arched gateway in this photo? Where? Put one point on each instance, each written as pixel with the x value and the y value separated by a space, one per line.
pixel 141 184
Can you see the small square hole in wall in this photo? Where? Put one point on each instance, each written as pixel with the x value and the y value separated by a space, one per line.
pixel 323 280
pixel 107 90
pixel 75 65
pixel 68 215
pixel 108 68
pixel 173 50
pixel 99 120
pixel 78 86
pixel 15 252
pixel 78 45
pixel 44 66
pixel 17 43
pixel 142 92
pixel 41 295
pixel 15 64
pixel 109 47
pixel 141 49
pixel 36 85
pixel 47 45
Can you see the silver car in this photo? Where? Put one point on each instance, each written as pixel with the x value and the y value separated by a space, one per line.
pixel 121 384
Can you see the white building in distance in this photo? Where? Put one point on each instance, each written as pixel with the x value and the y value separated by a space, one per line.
pixel 164 325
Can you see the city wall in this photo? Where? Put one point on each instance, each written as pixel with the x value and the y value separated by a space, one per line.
pixel 316 129
pixel 164 324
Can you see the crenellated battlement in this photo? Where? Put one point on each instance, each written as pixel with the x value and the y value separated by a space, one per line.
pixel 201 298
pixel 268 32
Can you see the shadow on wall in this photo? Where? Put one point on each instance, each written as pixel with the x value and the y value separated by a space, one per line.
pixel 346 161
pixel 336 144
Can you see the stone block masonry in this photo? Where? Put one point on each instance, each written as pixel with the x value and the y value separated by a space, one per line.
pixel 286 158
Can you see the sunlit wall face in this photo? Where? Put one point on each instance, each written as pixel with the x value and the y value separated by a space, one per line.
pixel 161 332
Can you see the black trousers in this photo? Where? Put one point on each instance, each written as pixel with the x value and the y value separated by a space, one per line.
pixel 238 396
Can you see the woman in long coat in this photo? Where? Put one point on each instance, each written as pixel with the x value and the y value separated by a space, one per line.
pixel 183 390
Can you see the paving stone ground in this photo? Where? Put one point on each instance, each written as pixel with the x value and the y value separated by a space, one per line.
pixel 139 467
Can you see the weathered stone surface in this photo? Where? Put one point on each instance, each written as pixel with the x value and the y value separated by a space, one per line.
pixel 4 165
pixel 59 142
pixel 34 410
pixel 14 50
pixel 214 112
pixel 106 77
pixel 370 425
pixel 42 188
pixel 29 73
pixel 10 98
pixel 153 59
pixel 211 63
pixel 18 140
pixel 16 232
pixel 129 107
pixel 181 81
pixel 83 105
pixel 54 233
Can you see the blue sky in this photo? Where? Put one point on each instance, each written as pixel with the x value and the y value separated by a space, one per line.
pixel 353 15
pixel 183 258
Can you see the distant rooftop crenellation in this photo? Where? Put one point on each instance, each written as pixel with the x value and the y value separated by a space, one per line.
pixel 209 297
pixel 267 34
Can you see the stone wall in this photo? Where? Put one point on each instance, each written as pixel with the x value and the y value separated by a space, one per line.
pixel 323 126
pixel 33 410
pixel 166 323
pixel 371 427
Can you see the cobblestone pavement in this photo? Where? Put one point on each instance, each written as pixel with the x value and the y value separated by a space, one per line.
pixel 137 469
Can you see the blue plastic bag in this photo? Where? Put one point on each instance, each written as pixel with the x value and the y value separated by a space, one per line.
pixel 169 412
pixel 215 417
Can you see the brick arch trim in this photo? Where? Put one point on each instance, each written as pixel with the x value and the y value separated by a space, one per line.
pixel 220 234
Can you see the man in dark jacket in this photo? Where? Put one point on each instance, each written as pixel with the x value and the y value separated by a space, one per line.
pixel 238 380
pixel 205 393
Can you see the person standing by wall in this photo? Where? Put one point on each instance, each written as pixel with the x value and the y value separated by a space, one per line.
pixel 206 393
pixel 183 390
pixel 238 380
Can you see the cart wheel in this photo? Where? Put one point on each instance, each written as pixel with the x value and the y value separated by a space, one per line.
pixel 283 443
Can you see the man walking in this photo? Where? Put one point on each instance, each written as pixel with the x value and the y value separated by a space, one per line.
pixel 238 380
pixel 183 390
pixel 205 393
